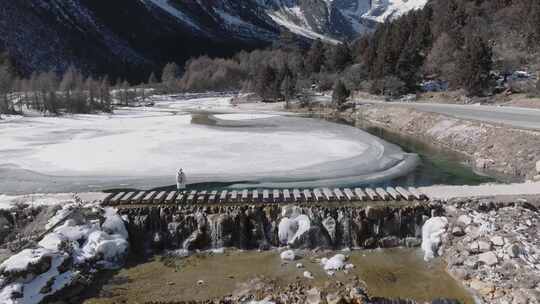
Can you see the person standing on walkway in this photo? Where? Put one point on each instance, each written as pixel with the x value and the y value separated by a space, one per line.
pixel 181 180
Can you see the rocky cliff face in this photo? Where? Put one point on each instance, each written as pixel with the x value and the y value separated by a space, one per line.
pixel 125 37
pixel 262 227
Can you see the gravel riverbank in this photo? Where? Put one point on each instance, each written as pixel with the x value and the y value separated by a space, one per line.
pixel 492 246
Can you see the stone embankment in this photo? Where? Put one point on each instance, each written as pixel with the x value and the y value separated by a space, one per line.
pixel 494 249
pixel 491 148
pixel 265 226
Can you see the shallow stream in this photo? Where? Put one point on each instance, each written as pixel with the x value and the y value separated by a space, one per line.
pixel 389 273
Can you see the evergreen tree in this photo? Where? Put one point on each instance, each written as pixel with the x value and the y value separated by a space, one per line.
pixel 533 22
pixel 267 84
pixel 67 86
pixel 340 57
pixel 340 94
pixel 6 81
pixel 91 89
pixel 288 86
pixel 474 65
pixel 315 57
pixel 152 80
pixel 409 65
pixel 48 85
pixel 105 95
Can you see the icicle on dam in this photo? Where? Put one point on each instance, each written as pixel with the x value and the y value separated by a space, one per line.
pixel 262 219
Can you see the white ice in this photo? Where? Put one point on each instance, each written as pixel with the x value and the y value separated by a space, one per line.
pixel 143 147
pixel 432 232
pixel 291 229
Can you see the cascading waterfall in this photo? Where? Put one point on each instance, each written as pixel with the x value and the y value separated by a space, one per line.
pixel 216 231
pixel 257 227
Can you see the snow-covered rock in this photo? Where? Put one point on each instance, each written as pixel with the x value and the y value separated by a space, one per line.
pixel 27 260
pixel 432 232
pixel 114 224
pixel 383 10
pixel 337 262
pixel 288 255
pixel 75 246
pixel 538 166
pixel 308 275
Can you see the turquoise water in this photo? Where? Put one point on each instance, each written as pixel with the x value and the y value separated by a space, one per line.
pixel 437 166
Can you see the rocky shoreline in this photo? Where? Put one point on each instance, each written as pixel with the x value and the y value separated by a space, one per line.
pixel 490 244
pixel 493 247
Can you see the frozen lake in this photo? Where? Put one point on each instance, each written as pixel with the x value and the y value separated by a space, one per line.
pixel 214 141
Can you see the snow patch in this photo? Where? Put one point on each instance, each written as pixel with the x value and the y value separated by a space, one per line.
pixel 383 10
pixel 25 259
pixel 282 20
pixel 166 6
pixel 337 262
pixel 432 232
pixel 288 255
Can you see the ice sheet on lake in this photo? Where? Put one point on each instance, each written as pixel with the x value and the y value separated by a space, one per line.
pixel 143 147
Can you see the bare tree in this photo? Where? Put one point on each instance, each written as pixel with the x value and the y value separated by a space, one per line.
pixel 48 85
pixel 6 81
pixel 169 77
pixel 105 94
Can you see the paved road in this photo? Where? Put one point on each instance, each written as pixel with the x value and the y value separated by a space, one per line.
pixel 524 118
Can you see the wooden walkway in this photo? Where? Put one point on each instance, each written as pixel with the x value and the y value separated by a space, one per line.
pixel 278 196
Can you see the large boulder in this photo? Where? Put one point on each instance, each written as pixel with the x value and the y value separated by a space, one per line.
pixel 488 258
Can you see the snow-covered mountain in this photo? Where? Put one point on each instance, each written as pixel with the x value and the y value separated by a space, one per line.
pixel 331 20
pixel 122 36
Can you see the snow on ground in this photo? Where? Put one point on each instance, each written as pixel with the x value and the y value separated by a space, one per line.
pixel 166 6
pixel 75 246
pixel 382 10
pixel 35 200
pixel 448 192
pixel 302 30
pixel 52 199
pixel 143 147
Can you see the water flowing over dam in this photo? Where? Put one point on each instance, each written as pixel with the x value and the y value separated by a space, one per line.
pixel 331 226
